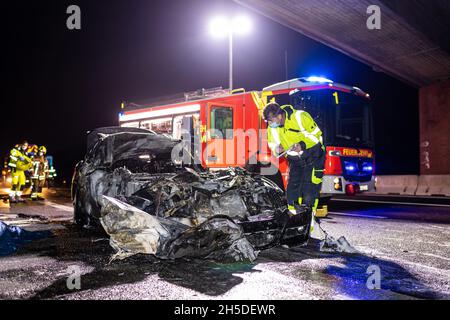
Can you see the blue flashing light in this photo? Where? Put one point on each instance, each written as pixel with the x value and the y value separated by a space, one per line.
pixel 350 167
pixel 318 79
pixel 368 168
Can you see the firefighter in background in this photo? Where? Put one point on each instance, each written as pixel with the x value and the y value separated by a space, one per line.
pixel 296 134
pixel 51 173
pixel 39 173
pixel 19 162
pixel 32 150
pixel 5 170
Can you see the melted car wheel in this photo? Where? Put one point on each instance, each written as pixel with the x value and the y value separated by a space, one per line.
pixel 79 214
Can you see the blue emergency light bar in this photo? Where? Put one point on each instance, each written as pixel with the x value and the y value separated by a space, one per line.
pixel 318 79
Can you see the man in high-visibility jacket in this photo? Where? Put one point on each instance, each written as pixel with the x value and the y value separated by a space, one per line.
pixel 295 133
pixel 39 173
pixel 19 162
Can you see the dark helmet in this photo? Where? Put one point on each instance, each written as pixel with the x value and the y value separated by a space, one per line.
pixel 271 108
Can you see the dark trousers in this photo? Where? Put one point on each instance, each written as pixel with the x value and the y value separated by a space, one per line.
pixel 305 177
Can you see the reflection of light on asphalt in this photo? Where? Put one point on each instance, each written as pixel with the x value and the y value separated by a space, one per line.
pixel 356 215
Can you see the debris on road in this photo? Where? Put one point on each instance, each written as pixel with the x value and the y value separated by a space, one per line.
pixel 329 243
pixel 341 245
pixel 11 237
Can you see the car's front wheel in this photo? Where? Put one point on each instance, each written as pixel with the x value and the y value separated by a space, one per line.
pixel 79 215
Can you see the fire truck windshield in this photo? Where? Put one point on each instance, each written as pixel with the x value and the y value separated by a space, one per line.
pixel 345 118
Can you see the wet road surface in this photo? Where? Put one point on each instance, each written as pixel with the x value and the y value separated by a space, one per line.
pixel 408 244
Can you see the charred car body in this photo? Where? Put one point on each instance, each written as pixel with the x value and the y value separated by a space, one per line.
pixel 129 185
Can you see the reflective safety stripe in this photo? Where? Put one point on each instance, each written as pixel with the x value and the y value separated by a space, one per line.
pixel 13 158
pixel 298 116
pixel 276 139
pixel 275 135
pixel 311 136
pixel 314 179
pixel 12 165
pixel 316 203
pixel 273 146
pixel 316 130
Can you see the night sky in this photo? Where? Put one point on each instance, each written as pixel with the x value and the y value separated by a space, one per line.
pixel 58 84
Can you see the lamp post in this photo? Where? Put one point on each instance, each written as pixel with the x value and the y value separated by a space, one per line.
pixel 222 27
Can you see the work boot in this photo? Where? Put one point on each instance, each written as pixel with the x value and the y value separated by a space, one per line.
pixel 12 197
pixel 19 197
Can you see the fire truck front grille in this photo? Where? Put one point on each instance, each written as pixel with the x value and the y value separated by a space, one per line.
pixel 357 169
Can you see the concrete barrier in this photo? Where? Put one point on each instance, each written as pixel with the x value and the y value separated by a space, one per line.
pixel 433 185
pixel 402 185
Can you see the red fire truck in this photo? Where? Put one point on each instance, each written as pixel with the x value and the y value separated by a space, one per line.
pixel 226 125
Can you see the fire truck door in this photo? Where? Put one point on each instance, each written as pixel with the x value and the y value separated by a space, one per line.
pixel 220 144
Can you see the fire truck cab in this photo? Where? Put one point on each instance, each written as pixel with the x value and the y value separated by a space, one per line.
pixel 226 128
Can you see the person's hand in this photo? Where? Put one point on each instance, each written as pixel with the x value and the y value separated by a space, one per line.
pixel 297 148
pixel 279 150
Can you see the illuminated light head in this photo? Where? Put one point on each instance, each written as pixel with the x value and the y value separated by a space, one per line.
pixel 318 79
pixel 221 27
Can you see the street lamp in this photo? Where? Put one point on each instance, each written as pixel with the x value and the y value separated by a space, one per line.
pixel 221 27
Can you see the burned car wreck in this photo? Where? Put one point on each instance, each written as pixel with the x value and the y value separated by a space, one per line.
pixel 128 185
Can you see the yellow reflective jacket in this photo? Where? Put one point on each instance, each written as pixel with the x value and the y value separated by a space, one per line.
pixel 19 160
pixel 298 127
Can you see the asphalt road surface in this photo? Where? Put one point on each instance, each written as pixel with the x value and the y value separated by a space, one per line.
pixel 408 244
